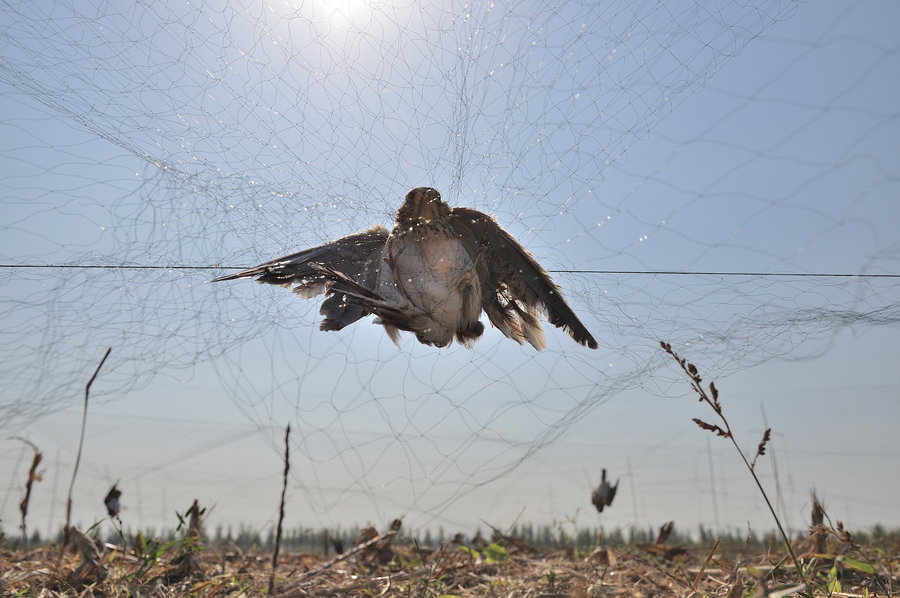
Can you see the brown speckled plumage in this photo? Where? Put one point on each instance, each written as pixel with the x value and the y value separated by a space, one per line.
pixel 432 275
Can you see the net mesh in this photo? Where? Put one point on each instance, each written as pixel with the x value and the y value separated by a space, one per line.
pixel 188 136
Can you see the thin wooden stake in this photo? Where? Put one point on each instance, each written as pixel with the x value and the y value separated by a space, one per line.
pixel 287 467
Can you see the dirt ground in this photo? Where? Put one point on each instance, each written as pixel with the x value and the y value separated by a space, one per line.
pixel 386 565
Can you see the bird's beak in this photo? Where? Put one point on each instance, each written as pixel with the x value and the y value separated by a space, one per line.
pixel 421 210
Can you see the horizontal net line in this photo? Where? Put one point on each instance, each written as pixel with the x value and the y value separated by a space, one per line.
pixel 573 271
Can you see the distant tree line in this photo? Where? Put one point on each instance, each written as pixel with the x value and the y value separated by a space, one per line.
pixel 246 537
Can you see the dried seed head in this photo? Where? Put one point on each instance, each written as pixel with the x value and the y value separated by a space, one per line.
pixel 761 449
pixel 711 427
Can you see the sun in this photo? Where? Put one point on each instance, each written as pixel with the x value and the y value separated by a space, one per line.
pixel 343 12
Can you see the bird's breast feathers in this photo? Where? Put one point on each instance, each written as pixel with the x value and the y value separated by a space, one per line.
pixel 437 275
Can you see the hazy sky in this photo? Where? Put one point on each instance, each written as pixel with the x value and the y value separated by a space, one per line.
pixel 660 158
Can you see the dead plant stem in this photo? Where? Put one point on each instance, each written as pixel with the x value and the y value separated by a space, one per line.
pixel 87 393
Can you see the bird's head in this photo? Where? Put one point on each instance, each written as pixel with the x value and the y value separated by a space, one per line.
pixel 422 204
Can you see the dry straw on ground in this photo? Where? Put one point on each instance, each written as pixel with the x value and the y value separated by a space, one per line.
pixel 385 565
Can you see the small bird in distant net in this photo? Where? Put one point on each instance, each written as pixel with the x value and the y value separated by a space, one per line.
pixel 603 495
pixel 111 500
pixel 432 276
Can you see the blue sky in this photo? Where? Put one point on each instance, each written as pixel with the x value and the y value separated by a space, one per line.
pixel 670 136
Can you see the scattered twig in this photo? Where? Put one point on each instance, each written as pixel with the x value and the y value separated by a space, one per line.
pixel 386 536
pixel 195 523
pixel 660 548
pixel 665 530
pixel 287 467
pixel 90 560
pixel 87 392
pixel 709 557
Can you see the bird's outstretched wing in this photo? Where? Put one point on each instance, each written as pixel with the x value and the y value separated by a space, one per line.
pixel 358 257
pixel 515 288
pixel 353 255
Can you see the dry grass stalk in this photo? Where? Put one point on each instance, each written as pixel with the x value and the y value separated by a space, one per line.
pixel 815 543
pixel 712 399
pixel 709 557
pixel 33 476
